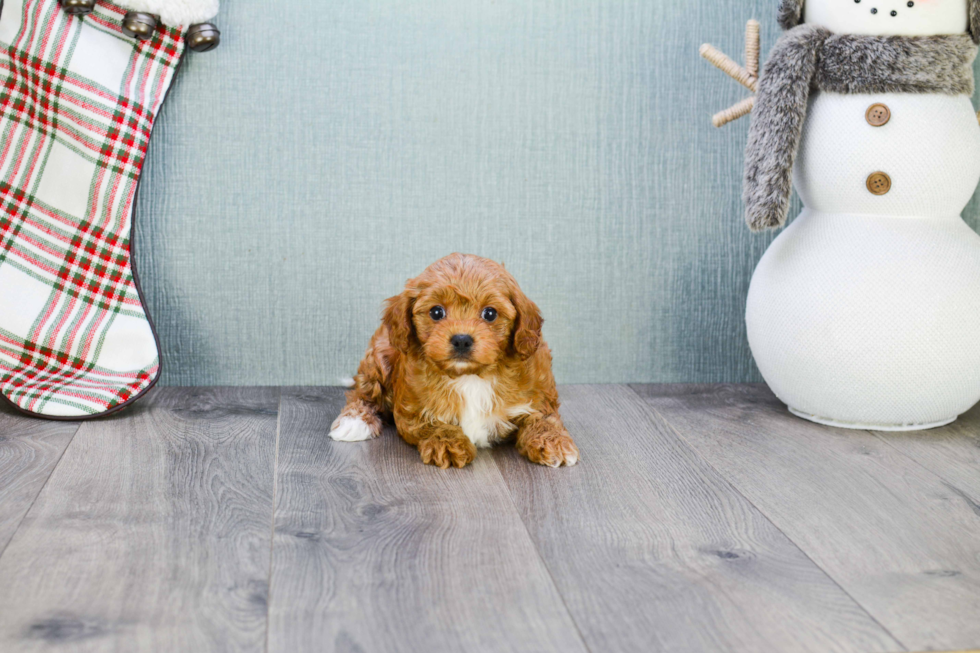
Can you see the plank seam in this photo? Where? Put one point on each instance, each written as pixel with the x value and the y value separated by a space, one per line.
pixel 684 442
pixel 272 532
pixel 965 495
pixel 43 485
pixel 537 552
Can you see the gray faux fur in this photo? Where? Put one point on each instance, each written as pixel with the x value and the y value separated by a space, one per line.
pixel 974 24
pixel 791 14
pixel 896 64
pixel 808 57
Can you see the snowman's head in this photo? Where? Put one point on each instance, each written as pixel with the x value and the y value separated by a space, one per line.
pixel 885 17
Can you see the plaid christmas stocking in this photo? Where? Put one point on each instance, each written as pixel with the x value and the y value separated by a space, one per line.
pixel 78 99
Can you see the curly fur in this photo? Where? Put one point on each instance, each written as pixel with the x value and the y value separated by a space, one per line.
pixel 808 57
pixel 447 404
pixel 790 14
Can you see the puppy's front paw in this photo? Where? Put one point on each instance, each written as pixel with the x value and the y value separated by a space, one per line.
pixel 551 449
pixel 457 452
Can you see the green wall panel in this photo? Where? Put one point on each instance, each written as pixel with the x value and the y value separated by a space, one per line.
pixel 329 150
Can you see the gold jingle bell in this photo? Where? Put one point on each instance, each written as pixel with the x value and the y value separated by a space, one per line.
pixel 139 25
pixel 77 7
pixel 202 37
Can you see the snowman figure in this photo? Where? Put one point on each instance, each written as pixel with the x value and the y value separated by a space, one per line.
pixel 865 311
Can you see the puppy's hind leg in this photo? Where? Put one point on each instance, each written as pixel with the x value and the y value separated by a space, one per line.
pixel 361 417
pixel 357 421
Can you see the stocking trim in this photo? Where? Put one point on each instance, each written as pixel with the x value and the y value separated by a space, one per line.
pixel 175 13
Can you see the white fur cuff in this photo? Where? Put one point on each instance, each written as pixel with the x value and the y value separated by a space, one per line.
pixel 175 12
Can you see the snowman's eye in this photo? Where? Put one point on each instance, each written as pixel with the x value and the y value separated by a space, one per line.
pixel 911 4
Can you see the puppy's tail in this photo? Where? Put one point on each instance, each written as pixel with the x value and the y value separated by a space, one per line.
pixel 361 417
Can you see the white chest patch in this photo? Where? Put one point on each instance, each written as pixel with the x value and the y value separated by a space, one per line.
pixel 478 416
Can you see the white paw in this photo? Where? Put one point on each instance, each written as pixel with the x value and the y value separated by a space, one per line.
pixel 570 459
pixel 350 429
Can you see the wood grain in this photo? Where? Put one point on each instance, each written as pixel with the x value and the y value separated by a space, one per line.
pixel 375 551
pixel 153 533
pixel 951 452
pixel 29 450
pixel 902 541
pixel 653 551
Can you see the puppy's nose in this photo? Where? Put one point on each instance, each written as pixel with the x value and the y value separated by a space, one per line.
pixel 461 343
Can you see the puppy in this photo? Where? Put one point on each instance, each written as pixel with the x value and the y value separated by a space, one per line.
pixel 459 362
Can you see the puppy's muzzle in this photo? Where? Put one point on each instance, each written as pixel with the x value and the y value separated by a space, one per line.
pixel 462 344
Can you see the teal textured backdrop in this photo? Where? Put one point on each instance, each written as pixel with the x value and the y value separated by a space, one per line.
pixel 327 151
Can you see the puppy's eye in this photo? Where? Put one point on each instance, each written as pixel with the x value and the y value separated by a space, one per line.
pixel 489 314
pixel 437 313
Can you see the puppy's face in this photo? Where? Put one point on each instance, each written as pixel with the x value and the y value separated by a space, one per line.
pixel 465 314
pixel 463 329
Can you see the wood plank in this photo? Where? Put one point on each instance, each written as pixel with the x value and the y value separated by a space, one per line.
pixel 899 539
pixel 952 452
pixel 153 533
pixel 374 551
pixel 29 450
pixel 653 551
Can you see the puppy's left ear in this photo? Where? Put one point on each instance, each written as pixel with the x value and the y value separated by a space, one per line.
pixel 527 324
pixel 397 317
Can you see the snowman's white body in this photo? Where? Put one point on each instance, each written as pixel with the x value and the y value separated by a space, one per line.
pixel 865 311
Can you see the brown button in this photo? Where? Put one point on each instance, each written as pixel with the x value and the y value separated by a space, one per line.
pixel 877 115
pixel 879 183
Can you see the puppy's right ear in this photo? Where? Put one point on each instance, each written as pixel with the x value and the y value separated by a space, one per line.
pixel 527 324
pixel 397 318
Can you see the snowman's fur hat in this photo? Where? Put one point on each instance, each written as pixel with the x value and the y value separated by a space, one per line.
pixel 791 14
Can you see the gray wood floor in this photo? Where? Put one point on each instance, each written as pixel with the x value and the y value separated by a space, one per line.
pixel 700 518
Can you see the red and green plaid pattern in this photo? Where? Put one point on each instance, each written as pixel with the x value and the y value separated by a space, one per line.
pixel 77 105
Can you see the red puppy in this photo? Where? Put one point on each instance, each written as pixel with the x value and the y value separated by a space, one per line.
pixel 459 362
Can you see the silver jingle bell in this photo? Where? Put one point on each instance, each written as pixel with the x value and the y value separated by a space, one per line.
pixel 202 37
pixel 77 7
pixel 139 25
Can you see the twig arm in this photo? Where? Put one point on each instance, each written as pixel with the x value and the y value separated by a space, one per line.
pixel 733 112
pixel 747 76
pixel 728 66
pixel 752 48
